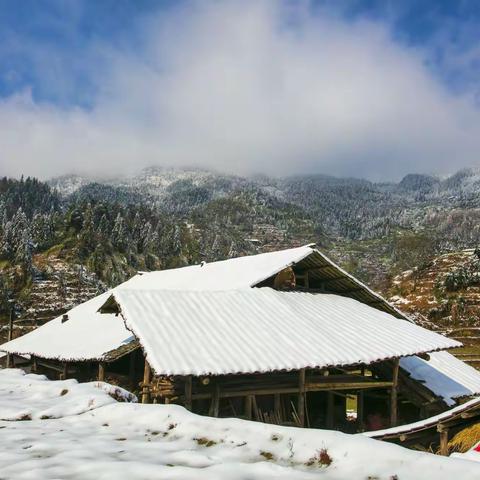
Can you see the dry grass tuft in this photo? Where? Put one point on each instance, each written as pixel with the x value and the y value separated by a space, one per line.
pixel 465 439
pixel 267 455
pixel 205 442
pixel 321 458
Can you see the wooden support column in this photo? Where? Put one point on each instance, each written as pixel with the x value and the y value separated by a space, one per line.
pixel 360 411
pixel 65 371
pixel 443 431
pixel 34 364
pixel 394 394
pixel 330 410
pixel 147 374
pixel 101 372
pixel 248 407
pixel 307 280
pixel 301 398
pixel 188 392
pixel 215 403
pixel 256 411
pixel 277 407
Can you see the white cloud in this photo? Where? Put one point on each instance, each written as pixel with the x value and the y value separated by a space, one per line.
pixel 251 87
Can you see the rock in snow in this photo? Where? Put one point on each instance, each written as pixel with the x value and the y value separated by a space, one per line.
pixel 111 440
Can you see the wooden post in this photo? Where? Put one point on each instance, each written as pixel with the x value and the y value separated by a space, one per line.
pixel 65 371
pixel 443 431
pixel 34 364
pixel 277 407
pixel 147 372
pixel 307 280
pixel 330 410
pixel 301 397
pixel 101 372
pixel 394 394
pixel 360 410
pixel 10 336
pixel 256 411
pixel 248 407
pixel 188 392
pixel 215 403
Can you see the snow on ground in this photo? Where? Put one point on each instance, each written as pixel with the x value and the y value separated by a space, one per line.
pixel 23 397
pixel 126 440
pixel 472 454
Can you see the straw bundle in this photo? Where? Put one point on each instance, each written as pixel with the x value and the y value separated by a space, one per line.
pixel 465 439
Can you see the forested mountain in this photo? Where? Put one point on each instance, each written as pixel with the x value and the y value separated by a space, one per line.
pixel 161 218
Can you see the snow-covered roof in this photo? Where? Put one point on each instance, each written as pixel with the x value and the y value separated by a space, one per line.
pixel 85 335
pixel 49 341
pixel 255 270
pixel 260 330
pixel 234 273
pixel 471 405
pixel 444 375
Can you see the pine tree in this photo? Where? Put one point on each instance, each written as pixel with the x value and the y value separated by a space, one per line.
pixel 118 236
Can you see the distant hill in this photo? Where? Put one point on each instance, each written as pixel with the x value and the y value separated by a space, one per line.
pixel 165 217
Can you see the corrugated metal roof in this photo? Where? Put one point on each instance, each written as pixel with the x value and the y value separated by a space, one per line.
pixel 260 330
pixel 74 340
pixel 258 270
pixel 231 274
pixel 444 375
pixel 86 335
pixel 472 405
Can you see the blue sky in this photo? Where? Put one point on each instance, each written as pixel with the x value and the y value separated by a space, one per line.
pixel 128 83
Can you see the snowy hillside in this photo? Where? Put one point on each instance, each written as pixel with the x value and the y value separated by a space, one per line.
pixel 125 440
pixel 349 208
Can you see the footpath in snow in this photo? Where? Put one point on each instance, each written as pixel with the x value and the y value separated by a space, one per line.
pixel 78 431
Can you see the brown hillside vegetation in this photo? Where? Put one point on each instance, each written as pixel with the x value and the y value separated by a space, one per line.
pixel 445 296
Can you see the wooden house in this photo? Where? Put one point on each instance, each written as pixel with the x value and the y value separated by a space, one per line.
pixel 285 337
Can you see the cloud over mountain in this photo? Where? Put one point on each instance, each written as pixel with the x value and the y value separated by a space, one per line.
pixel 248 87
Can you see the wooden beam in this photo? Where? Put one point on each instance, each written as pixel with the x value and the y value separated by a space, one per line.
pixel 319 269
pixel 474 413
pixel 317 387
pixel 333 279
pixel 147 374
pixel 309 387
pixel 301 397
pixel 101 372
pixel 394 394
pixel 188 392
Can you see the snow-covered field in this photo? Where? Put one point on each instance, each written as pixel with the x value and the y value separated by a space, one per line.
pixel 95 437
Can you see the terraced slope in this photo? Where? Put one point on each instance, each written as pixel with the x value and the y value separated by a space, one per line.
pixel 445 296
